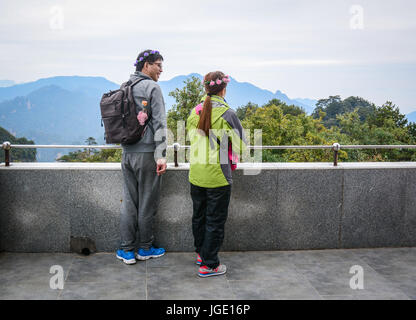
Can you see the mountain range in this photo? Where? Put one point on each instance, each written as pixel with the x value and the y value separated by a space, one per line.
pixel 238 93
pixel 6 83
pixel 65 109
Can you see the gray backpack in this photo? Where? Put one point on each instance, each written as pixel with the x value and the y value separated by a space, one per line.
pixel 119 115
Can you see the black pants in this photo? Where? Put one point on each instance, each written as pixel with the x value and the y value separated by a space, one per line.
pixel 210 214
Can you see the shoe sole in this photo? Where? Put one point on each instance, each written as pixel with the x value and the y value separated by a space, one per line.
pixel 142 258
pixel 126 261
pixel 205 275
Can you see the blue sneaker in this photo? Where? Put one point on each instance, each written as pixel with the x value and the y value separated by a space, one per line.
pixel 151 253
pixel 127 257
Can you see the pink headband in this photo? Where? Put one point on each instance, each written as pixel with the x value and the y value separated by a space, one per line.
pixel 211 83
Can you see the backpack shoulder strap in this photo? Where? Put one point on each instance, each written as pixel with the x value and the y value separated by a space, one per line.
pixel 136 82
pixel 130 84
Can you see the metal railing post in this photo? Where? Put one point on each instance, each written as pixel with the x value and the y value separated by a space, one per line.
pixel 6 146
pixel 336 147
pixel 176 147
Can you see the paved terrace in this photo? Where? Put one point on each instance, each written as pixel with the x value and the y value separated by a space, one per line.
pixel 388 273
pixel 294 231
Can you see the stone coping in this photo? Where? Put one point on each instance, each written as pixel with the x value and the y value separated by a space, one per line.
pixel 185 166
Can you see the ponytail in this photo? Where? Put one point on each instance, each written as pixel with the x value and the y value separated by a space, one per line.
pixel 214 82
pixel 204 123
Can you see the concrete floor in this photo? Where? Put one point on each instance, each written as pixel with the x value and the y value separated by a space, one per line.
pixel 388 273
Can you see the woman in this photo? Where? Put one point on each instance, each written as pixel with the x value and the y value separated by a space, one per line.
pixel 211 126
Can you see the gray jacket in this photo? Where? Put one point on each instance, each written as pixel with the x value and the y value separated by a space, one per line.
pixel 154 138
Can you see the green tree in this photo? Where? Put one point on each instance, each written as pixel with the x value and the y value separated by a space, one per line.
pixel 365 108
pixel 288 129
pixel 90 141
pixel 334 106
pixel 106 155
pixel 353 121
pixel 287 109
pixel 85 155
pixel 385 126
pixel 246 110
pixel 388 115
pixel 186 99
pixel 17 155
pixel 331 106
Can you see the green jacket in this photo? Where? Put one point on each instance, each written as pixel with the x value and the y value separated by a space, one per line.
pixel 210 166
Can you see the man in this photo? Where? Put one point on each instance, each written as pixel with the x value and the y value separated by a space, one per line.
pixel 143 164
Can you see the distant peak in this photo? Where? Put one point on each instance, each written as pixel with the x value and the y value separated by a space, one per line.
pixel 278 92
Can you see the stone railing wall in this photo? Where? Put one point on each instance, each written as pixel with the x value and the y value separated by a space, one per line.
pixel 57 207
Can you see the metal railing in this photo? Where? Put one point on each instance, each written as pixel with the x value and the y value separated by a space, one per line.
pixel 336 147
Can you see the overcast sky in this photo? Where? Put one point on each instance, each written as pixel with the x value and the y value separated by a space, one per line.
pixel 305 48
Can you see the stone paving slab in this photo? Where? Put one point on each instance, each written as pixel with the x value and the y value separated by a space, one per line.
pixel 389 274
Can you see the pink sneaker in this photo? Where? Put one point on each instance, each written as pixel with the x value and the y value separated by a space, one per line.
pixel 204 271
pixel 198 259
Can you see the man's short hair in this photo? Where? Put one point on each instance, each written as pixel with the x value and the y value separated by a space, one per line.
pixel 147 56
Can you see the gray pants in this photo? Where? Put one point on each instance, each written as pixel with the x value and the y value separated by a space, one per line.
pixel 141 193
